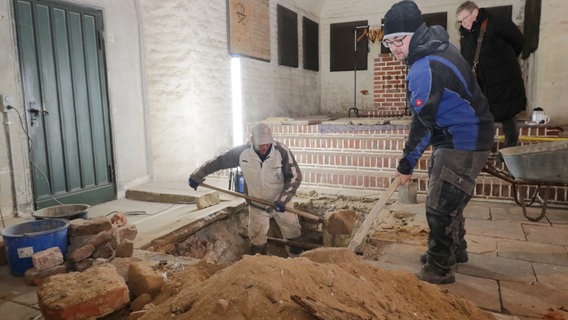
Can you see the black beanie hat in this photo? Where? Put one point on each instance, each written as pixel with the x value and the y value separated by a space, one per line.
pixel 403 18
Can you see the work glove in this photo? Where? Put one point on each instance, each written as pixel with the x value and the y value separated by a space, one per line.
pixel 193 184
pixel 279 206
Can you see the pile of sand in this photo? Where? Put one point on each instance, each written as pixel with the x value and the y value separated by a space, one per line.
pixel 325 283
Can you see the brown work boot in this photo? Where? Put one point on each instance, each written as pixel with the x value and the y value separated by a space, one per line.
pixel 434 275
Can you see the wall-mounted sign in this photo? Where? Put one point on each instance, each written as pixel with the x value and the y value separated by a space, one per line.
pixel 249 28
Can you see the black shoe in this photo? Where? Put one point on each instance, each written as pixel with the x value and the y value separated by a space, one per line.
pixel 296 251
pixel 429 274
pixel 461 257
pixel 258 249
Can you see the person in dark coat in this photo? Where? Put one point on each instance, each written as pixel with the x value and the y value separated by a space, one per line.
pixel 499 72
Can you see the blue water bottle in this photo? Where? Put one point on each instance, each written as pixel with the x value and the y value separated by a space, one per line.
pixel 239 181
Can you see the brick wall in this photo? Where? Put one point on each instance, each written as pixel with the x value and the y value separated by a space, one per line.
pixel 389 86
pixel 365 158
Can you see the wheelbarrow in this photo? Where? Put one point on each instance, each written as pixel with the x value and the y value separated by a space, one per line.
pixel 541 165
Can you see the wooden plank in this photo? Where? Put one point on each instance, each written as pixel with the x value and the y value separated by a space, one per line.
pixel 372 216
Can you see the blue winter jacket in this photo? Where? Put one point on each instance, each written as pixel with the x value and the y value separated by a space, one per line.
pixel 447 106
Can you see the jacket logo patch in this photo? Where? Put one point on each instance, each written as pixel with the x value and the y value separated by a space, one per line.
pixel 418 102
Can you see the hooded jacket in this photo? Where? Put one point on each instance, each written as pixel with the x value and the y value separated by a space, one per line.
pixel 447 106
pixel 499 72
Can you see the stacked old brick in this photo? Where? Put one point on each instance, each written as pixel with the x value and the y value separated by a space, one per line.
pixel 99 238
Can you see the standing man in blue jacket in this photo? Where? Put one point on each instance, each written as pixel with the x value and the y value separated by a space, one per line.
pixel 271 173
pixel 449 114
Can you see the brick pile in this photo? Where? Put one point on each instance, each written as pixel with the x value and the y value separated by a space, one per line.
pixel 99 238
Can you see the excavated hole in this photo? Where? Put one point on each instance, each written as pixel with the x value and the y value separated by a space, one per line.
pixel 225 241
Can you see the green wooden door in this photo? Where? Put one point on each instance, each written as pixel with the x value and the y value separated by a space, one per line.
pixel 64 79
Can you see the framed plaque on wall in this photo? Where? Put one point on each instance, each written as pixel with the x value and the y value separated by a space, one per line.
pixel 248 28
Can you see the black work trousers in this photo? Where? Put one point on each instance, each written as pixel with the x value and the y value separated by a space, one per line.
pixel 510 132
pixel 451 182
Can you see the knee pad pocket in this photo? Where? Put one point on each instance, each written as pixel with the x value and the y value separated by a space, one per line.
pixel 452 192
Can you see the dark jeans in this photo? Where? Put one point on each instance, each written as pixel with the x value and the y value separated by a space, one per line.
pixel 451 183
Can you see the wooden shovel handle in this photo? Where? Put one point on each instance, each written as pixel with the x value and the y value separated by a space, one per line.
pixel 372 216
pixel 264 202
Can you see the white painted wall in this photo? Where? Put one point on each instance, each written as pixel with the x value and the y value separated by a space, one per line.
pixel 550 63
pixel 187 77
pixel 273 90
pixel 187 68
pixel 14 169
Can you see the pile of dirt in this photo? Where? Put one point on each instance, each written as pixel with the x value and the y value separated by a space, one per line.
pixel 325 283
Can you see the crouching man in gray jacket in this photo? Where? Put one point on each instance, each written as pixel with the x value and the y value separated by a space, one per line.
pixel 270 173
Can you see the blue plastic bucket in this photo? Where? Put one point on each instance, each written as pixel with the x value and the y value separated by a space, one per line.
pixel 24 239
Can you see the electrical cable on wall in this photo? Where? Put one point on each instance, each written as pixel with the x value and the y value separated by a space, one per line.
pixel 30 150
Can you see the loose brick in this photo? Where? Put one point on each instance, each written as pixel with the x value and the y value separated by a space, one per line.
pixel 81 253
pixel 104 251
pixel 82 265
pixel 100 238
pixel 33 277
pixel 140 302
pixel 122 265
pixel 125 249
pixel 76 242
pixel 143 279
pixel 127 232
pixel 207 200
pixel 114 236
pixel 88 227
pixel 48 258
pixel 119 219
pixel 137 314
pixel 91 294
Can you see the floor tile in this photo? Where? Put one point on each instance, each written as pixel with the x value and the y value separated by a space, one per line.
pixel 497 268
pixel 557 234
pixel 529 299
pixel 552 275
pixel 497 229
pixel 532 251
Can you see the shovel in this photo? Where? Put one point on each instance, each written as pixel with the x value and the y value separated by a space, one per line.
pixel 372 216
pixel 264 202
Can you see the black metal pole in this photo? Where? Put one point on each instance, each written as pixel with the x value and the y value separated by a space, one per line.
pixel 354 108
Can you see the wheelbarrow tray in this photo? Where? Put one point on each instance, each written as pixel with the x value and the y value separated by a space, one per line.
pixel 545 162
